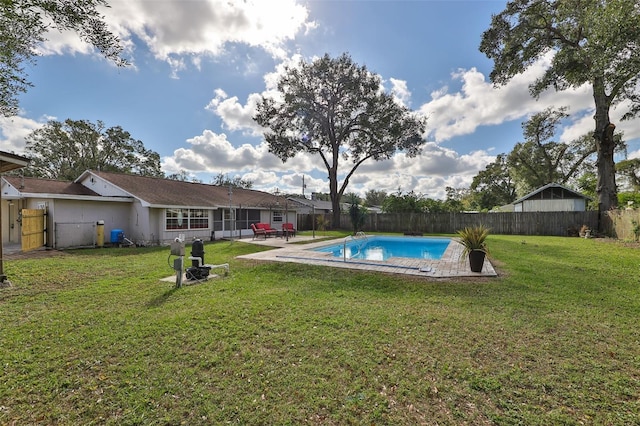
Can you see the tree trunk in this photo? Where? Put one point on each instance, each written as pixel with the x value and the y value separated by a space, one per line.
pixel 606 189
pixel 335 198
pixel 605 146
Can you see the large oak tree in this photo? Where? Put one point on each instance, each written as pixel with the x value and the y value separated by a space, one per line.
pixel 63 150
pixel 492 186
pixel 595 42
pixel 337 110
pixel 540 160
pixel 23 25
pixel 630 170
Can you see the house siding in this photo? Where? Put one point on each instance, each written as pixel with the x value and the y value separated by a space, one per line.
pixel 103 187
pixel 68 218
pixel 558 205
pixel 139 224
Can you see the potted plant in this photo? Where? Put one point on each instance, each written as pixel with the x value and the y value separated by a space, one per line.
pixel 473 239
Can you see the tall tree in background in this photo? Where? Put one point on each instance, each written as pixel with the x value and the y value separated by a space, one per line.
pixel 493 186
pixel 337 110
pixel 65 150
pixel 595 42
pixel 237 182
pixel 374 197
pixel 183 176
pixel 630 170
pixel 357 212
pixel 403 203
pixel 23 24
pixel 539 160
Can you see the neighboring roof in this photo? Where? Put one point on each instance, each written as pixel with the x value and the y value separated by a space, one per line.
pixel 10 161
pixel 46 186
pixel 159 192
pixel 318 204
pixel 564 191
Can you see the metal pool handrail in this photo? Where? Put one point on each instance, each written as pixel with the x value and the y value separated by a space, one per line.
pixel 360 235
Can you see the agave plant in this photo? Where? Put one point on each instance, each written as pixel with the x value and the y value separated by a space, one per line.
pixel 473 238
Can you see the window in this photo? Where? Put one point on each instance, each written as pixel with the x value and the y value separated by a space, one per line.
pixel 198 219
pixel 177 218
pixel 187 219
pixel 277 216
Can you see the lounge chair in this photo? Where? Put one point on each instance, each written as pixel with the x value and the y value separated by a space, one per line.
pixel 287 228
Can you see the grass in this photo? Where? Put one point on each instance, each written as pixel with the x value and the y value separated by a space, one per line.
pixel 93 337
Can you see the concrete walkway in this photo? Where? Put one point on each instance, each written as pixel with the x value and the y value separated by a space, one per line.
pixel 450 265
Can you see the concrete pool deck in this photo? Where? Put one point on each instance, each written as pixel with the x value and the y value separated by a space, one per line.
pixel 450 265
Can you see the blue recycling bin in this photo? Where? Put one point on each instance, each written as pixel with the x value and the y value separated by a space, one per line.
pixel 117 236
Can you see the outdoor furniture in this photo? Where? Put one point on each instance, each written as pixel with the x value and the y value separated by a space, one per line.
pixel 266 228
pixel 289 229
pixel 258 232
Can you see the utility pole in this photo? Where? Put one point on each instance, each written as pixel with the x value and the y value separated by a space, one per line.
pixel 303 187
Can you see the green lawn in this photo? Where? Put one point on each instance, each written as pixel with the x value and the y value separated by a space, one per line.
pixel 93 337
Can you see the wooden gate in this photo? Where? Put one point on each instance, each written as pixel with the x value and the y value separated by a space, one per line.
pixel 33 228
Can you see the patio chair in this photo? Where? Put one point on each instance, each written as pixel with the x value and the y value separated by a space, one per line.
pixel 258 231
pixel 289 229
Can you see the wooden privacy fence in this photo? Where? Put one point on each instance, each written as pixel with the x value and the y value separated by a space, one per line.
pixel 622 224
pixel 513 223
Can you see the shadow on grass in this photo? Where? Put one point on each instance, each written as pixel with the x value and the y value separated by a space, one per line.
pixel 161 299
pixel 115 251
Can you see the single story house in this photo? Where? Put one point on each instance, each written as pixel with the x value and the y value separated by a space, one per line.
pixel 552 197
pixel 147 210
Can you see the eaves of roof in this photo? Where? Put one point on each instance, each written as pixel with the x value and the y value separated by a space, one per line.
pixel 547 186
pixel 167 193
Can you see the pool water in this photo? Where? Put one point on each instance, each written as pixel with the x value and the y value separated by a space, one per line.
pixel 383 248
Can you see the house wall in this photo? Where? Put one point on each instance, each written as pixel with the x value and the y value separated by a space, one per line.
pixel 140 226
pixel 557 205
pixel 71 223
pixel 157 223
pixel 291 216
pixel 10 223
pixel 102 187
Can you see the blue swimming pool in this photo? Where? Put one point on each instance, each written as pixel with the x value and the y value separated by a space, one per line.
pixel 383 248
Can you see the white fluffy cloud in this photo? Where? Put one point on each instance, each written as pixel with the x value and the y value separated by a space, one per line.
pixel 480 103
pixel 213 153
pixel 174 30
pixel 204 27
pixel 14 130
pixel 400 92
pixel 234 115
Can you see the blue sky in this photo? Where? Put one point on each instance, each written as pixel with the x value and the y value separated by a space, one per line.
pixel 198 67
